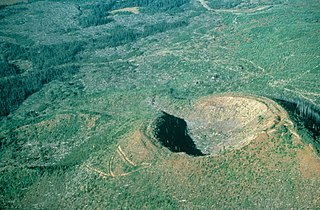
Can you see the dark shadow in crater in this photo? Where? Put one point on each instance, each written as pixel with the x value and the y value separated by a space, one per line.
pixel 172 132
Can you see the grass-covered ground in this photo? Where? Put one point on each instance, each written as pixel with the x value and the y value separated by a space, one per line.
pixel 82 80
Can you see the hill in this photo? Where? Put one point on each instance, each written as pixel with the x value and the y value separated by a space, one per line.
pixel 181 104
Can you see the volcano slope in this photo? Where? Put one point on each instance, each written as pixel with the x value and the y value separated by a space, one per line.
pixel 258 161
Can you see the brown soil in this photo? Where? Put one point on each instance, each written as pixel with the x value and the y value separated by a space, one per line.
pixel 309 163
pixel 133 10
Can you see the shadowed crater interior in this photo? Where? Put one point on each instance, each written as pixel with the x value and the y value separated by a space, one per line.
pixel 172 132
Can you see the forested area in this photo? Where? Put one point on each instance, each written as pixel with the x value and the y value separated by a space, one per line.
pixel 99 13
pixel 8 69
pixel 120 35
pixel 157 5
pixel 47 62
pixel 306 115
pixel 96 14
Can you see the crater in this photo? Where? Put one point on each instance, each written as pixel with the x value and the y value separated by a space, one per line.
pixel 217 123
pixel 172 132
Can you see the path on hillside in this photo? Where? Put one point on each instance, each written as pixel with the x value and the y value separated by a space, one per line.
pixel 205 5
pixel 235 11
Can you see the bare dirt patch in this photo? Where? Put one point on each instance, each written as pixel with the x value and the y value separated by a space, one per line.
pixel 133 10
pixel 221 122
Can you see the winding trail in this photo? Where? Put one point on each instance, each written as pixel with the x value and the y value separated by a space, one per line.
pixel 124 156
pixel 235 11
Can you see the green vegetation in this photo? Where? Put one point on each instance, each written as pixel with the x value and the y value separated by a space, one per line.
pixel 307 118
pixel 98 14
pixel 17 85
pixel 50 62
pixel 79 86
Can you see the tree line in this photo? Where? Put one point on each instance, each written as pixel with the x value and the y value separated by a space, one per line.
pixel 120 35
pixel 16 86
pixel 98 13
pixel 306 115
pixel 310 112
pixel 8 69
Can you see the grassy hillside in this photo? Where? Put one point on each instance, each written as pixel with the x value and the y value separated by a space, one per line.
pixel 82 83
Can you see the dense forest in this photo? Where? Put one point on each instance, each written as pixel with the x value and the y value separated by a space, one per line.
pixel 17 85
